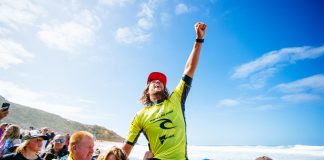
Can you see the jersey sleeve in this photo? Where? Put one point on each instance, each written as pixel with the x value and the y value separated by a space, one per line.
pixel 183 88
pixel 134 131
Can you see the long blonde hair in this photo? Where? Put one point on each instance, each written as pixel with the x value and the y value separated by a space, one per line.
pixel 15 134
pixel 22 147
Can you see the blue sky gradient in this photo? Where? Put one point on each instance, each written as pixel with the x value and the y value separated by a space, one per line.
pixel 260 79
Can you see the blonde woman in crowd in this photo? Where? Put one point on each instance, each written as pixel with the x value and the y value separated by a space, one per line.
pixel 12 133
pixel 29 149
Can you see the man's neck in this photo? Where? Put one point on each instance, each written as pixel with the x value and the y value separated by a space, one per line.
pixel 156 99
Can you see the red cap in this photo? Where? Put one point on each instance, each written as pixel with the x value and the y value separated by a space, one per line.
pixel 157 76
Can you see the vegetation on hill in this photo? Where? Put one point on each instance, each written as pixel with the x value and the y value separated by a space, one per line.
pixel 25 117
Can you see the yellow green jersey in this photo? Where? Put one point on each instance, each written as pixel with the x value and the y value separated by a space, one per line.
pixel 164 125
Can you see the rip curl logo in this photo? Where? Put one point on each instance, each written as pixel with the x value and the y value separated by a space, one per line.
pixel 165 124
pixel 164 137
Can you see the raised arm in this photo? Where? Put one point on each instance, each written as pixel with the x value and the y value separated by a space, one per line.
pixel 193 59
pixel 127 148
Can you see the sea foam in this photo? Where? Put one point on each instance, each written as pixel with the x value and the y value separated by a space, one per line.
pixel 293 152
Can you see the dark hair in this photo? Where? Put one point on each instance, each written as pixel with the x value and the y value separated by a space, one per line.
pixel 145 99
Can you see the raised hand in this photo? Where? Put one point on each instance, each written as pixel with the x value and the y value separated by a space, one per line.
pixel 200 28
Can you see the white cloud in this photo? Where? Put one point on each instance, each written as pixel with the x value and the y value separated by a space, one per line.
pixel 145 23
pixel 228 102
pixel 303 90
pixel 17 13
pixel 258 71
pixel 116 2
pixel 132 35
pixel 147 10
pixel 71 35
pixel 66 36
pixel 12 53
pixel 72 107
pixel 301 97
pixel 313 83
pixel 139 33
pixel 259 80
pixel 146 14
pixel 181 9
pixel 274 58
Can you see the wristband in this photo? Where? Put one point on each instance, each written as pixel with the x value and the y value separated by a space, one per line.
pixel 198 40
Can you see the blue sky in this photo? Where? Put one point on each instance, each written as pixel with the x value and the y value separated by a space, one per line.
pixel 260 80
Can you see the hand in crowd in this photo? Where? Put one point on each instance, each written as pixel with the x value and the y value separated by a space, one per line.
pixel 3 113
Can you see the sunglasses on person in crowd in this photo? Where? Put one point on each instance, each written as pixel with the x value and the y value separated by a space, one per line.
pixel 59 140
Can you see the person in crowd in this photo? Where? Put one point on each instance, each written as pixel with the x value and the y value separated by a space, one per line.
pixel 81 146
pixel 3 139
pixel 114 153
pixel 162 120
pixel 3 127
pixel 58 149
pixel 29 149
pixel 96 154
pixel 13 134
pixel 67 139
pixel 52 135
pixel 45 131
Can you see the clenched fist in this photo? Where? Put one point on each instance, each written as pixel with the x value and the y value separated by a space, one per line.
pixel 200 28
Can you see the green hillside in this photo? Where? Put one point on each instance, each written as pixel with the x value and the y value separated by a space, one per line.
pixel 25 117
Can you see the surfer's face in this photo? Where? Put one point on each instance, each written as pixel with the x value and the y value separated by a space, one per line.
pixel 156 87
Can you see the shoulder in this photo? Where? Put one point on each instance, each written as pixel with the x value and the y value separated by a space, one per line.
pixel 143 110
pixel 11 156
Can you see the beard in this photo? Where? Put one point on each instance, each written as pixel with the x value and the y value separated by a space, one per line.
pixel 160 95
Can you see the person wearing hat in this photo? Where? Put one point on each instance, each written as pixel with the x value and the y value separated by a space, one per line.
pixel 29 149
pixel 162 120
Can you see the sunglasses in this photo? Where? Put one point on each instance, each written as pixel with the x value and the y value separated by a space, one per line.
pixel 59 140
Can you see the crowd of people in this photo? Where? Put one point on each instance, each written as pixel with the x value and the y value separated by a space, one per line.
pixel 43 144
pixel 17 143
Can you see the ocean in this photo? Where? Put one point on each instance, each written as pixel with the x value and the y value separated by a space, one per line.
pixel 293 152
